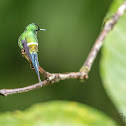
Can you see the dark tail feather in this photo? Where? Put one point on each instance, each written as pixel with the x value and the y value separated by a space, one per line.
pixel 34 59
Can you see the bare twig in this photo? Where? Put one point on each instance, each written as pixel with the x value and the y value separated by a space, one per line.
pixel 6 92
pixel 83 74
pixel 43 72
pixel 53 78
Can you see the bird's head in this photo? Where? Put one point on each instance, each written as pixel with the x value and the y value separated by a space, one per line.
pixel 34 27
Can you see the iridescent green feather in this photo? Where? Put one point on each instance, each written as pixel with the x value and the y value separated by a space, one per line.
pixel 28 44
pixel 30 35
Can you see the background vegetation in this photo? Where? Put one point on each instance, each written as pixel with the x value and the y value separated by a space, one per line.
pixel 72 27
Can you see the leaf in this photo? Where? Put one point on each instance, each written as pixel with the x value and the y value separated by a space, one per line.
pixel 114 7
pixel 56 113
pixel 113 63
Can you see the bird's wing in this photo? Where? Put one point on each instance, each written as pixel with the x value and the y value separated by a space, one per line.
pixel 33 58
pixel 27 53
pixel 26 48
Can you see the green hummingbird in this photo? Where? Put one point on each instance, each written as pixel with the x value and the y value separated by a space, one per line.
pixel 29 46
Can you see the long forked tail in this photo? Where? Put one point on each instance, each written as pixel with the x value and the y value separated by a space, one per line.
pixel 34 59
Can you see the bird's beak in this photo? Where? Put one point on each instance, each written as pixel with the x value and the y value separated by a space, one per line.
pixel 43 29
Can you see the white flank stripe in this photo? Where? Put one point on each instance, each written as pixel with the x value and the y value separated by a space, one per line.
pixel 31 43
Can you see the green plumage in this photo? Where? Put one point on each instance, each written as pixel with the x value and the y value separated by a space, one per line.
pixel 29 46
pixel 30 34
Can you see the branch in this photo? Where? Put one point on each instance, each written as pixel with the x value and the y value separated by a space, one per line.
pixel 83 74
pixel 99 41
pixel 44 73
pixel 53 78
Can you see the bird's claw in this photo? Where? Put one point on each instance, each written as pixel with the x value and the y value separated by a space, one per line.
pixel 23 52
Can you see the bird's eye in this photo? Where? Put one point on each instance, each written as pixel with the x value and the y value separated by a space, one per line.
pixel 37 29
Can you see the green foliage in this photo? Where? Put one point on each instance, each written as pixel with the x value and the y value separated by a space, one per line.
pixel 114 7
pixel 72 27
pixel 113 64
pixel 56 113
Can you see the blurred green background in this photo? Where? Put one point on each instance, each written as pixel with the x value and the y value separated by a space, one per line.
pixel 72 27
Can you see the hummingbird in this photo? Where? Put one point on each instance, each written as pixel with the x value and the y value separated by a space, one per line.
pixel 28 44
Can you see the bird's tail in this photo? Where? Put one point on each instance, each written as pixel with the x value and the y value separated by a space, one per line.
pixel 34 59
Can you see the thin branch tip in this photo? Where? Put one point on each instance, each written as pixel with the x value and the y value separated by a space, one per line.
pixel 2 92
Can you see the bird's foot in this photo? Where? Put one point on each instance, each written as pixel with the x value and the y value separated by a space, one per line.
pixel 23 52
